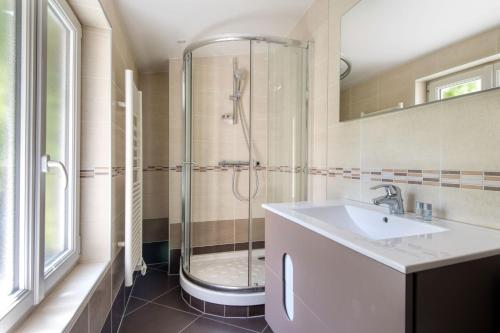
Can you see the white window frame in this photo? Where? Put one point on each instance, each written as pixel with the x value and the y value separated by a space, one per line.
pixel 49 277
pixel 485 73
pixel 24 299
pixel 31 83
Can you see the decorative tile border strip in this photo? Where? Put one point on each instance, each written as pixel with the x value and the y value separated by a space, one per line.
pixel 97 171
pixel 117 171
pixel 475 180
pixel 205 168
pixel 227 247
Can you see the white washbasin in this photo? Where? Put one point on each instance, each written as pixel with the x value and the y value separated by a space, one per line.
pixel 370 223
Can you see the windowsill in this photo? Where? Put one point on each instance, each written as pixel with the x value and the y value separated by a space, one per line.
pixel 64 304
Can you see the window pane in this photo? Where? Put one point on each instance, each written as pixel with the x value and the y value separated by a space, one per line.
pixel 461 88
pixel 56 228
pixel 8 160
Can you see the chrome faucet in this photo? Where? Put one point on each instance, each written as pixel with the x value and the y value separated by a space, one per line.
pixel 392 198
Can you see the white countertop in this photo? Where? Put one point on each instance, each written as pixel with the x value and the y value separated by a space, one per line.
pixel 461 242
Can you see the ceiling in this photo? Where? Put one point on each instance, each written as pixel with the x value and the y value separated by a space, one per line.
pixel 154 27
pixel 380 34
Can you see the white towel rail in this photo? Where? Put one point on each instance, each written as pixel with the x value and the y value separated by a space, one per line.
pixel 133 179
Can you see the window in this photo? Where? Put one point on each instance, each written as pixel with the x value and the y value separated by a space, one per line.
pixel 460 88
pixel 10 277
pixel 39 151
pixel 59 129
pixel 462 83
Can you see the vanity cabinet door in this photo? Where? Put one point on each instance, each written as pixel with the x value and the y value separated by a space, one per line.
pixel 335 289
pixel 460 298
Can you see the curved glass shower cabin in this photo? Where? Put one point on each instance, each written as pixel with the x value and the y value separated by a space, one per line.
pixel 245 144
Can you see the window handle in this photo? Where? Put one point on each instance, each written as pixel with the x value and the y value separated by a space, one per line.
pixel 48 164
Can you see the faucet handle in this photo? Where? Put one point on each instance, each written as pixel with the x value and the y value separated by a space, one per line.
pixel 389 189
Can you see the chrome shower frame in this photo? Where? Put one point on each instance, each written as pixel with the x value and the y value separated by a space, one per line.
pixel 187 158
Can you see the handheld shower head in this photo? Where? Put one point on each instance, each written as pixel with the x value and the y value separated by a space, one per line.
pixel 238 76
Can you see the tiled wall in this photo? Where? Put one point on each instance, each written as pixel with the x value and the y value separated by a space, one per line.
pixel 105 56
pixel 175 159
pixel 154 87
pixel 452 144
pixel 387 89
pixel 95 154
pixel 122 59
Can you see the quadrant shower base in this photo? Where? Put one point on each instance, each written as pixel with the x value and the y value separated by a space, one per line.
pixel 229 268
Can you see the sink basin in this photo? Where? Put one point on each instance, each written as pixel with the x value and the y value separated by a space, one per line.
pixel 368 223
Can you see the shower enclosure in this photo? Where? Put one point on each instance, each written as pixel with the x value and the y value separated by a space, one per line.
pixel 245 144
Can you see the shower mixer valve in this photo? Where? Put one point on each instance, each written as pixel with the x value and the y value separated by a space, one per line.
pixel 228 118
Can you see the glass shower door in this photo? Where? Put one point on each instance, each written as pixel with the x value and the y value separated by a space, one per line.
pixel 279 138
pixel 287 124
pixel 216 164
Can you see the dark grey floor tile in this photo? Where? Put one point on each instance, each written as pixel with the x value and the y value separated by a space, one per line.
pixel 117 309
pixel 256 324
pixel 268 330
pixel 173 299
pixel 159 267
pixel 106 328
pixel 133 304
pixel 156 318
pixel 153 284
pixel 204 325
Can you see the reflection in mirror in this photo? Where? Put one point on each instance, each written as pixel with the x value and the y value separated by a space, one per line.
pixel 404 53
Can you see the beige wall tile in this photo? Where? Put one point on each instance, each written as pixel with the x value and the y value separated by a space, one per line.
pixel 96 241
pixel 100 304
pixel 90 13
pixel 82 323
pixel 212 233
pixel 407 139
pixel 118 233
pixel 344 145
pixel 155 206
pixel 470 128
pixel 339 188
pixel 117 272
pixel 470 206
pixel 96 53
pixel 155 230
pixel 241 230
pixel 174 236
pixel 95 198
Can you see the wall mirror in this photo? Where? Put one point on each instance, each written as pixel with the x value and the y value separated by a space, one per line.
pixel 398 54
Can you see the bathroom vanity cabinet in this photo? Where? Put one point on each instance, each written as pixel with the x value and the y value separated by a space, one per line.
pixel 336 289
